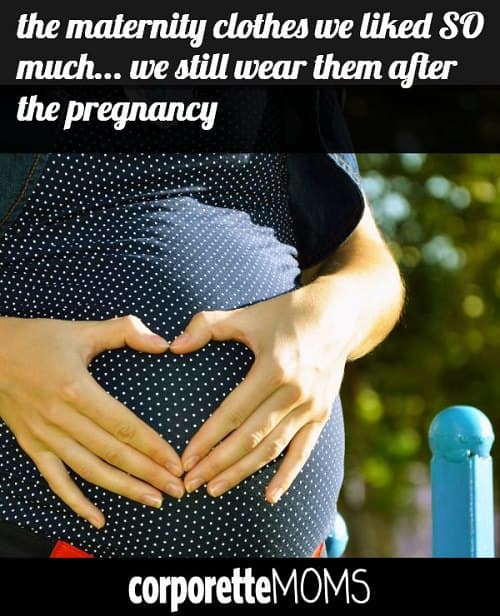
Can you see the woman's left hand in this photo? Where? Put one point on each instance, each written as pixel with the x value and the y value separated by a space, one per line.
pixel 284 401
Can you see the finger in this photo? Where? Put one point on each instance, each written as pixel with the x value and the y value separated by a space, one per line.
pixel 56 475
pixel 210 325
pixel 95 471
pixel 297 455
pixel 94 402
pixel 119 332
pixel 118 454
pixel 255 388
pixel 245 439
pixel 270 448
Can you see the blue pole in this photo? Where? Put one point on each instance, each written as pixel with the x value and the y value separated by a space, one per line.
pixel 462 483
pixel 336 542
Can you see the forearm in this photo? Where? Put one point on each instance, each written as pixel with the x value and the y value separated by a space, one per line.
pixel 361 281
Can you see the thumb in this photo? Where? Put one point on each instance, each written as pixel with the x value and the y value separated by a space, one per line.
pixel 122 331
pixel 206 326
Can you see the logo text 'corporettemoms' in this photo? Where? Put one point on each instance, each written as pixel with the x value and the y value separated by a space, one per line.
pixel 298 587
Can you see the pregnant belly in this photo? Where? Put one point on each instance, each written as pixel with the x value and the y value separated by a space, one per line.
pixel 163 261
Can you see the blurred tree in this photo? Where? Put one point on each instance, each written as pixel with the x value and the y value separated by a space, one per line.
pixel 441 215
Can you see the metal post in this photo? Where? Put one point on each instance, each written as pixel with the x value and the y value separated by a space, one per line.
pixel 462 483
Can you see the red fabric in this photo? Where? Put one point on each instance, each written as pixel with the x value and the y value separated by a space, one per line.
pixel 319 551
pixel 66 550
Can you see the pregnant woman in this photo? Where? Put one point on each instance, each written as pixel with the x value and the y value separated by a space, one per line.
pixel 227 441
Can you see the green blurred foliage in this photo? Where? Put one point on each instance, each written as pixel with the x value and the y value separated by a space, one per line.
pixel 441 216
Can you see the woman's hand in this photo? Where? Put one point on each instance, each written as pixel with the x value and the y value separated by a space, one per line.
pixel 284 401
pixel 61 416
pixel 301 341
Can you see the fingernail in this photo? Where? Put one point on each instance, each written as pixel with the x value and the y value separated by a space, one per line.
pixel 181 339
pixel 158 341
pixel 217 489
pixel 96 522
pixel 175 468
pixel 191 463
pixel 274 496
pixel 152 500
pixel 175 490
pixel 194 484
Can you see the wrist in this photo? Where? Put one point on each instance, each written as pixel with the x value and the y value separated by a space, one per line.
pixel 366 301
pixel 332 303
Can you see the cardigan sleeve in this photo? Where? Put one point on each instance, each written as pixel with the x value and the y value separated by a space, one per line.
pixel 326 197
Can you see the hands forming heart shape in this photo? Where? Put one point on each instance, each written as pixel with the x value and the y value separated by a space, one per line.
pixel 301 340
pixel 62 418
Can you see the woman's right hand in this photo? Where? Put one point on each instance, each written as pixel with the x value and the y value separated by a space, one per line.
pixel 62 417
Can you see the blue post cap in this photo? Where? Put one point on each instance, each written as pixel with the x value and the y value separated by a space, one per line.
pixel 459 432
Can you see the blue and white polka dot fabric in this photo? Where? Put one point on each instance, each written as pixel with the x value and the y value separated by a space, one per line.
pixel 163 236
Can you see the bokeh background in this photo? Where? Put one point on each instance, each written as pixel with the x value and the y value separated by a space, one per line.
pixel 441 216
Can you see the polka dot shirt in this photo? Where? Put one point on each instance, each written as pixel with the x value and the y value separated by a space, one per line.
pixel 163 236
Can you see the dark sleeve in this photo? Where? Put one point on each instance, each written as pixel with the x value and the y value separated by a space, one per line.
pixel 326 198
pixel 19 174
